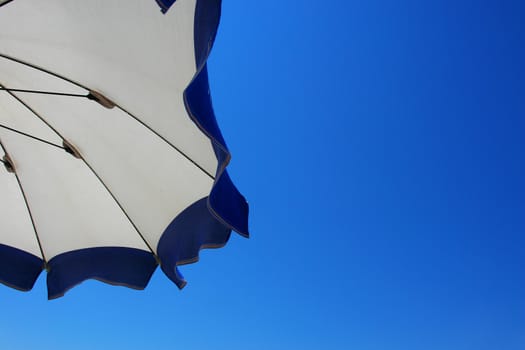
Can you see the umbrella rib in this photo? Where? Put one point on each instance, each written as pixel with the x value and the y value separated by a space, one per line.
pixel 116 104
pixel 165 140
pixel 93 171
pixel 5 2
pixel 42 92
pixel 121 208
pixel 28 210
pixel 31 136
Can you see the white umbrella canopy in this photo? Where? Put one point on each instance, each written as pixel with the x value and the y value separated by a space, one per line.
pixel 113 162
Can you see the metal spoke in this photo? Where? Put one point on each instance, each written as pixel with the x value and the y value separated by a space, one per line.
pixel 2 146
pixel 31 136
pixel 94 173
pixel 43 92
pixel 117 105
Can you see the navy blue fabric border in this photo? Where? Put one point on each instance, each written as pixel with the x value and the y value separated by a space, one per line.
pixel 165 5
pixel 225 202
pixel 19 269
pixel 193 229
pixel 205 25
pixel 114 265
pixel 208 222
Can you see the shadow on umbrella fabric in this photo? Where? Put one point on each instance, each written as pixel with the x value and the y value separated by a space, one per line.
pixel 112 159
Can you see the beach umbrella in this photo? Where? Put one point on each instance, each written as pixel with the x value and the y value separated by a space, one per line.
pixel 112 162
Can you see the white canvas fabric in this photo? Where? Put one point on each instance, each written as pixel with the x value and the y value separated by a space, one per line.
pixel 140 165
pixel 17 230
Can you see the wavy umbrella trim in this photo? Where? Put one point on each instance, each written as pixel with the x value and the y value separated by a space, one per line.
pixel 205 224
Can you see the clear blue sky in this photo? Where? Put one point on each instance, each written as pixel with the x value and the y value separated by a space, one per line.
pixel 380 145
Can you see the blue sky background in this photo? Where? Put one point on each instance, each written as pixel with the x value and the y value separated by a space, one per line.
pixel 380 145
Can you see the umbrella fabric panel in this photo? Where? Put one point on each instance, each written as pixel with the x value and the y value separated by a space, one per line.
pixel 17 230
pixel 15 223
pixel 140 60
pixel 150 179
pixel 81 230
pixel 16 116
pixel 70 208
